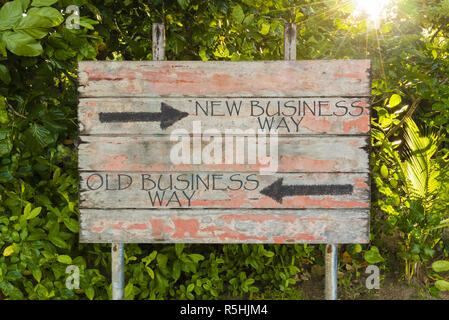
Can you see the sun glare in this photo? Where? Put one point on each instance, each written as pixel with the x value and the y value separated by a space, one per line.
pixel 374 9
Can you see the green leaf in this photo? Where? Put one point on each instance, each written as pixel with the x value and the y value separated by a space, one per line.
pixel 237 14
pixel 442 285
pixel 161 260
pixel 184 3
pixel 357 248
pixel 8 251
pixel 434 54
pixel 49 17
pixel 265 28
pixel 3 113
pixel 268 253
pixel 2 48
pixel 31 22
pixel 87 23
pixel 60 243
pixel 64 259
pixel 150 272
pixel 196 257
pixel 37 274
pixel 5 145
pixel 71 224
pixel 179 247
pixel 90 293
pixel 373 256
pixel 395 99
pixel 11 291
pixel 33 213
pixel 27 209
pixel 6 78
pixel 176 270
pixel 25 4
pixel 147 260
pixel 384 171
pixel 10 13
pixel 440 266
pixel 43 3
pixel 41 134
pixel 22 44
pixel 129 291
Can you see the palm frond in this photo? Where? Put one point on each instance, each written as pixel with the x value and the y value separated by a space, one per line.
pixel 420 169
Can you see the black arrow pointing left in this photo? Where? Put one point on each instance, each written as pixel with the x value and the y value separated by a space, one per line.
pixel 167 116
pixel 277 191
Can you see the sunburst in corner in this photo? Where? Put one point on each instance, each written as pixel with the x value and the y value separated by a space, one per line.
pixel 375 10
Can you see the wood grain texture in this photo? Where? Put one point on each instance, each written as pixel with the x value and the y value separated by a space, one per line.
pixel 225 226
pixel 289 116
pixel 296 154
pixel 131 190
pixel 158 36
pixel 290 41
pixel 322 78
pixel 216 190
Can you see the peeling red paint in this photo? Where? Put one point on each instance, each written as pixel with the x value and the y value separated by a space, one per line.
pixel 183 226
pixel 116 226
pixel 228 218
pixel 360 124
pixel 361 183
pixel 137 226
pixel 298 237
pixel 226 233
pixel 159 227
pixel 168 78
pixel 106 151
pixel 97 229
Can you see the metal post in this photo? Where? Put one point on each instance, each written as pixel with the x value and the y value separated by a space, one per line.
pixel 331 269
pixel 118 272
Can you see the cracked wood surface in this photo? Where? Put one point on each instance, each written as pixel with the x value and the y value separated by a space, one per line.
pixel 129 110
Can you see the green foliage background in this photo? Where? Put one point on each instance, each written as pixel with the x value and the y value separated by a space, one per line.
pixel 38 127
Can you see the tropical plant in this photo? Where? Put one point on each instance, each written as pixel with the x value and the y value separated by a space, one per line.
pixel 441 282
pixel 414 208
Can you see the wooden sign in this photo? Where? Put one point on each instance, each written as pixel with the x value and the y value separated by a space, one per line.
pixel 224 152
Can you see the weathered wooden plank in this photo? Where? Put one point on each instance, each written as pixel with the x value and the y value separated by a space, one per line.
pixel 289 116
pixel 158 36
pixel 223 190
pixel 292 154
pixel 225 78
pixel 225 226
pixel 290 41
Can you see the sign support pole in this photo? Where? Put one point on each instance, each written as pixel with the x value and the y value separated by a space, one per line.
pixel 330 291
pixel 331 270
pixel 290 41
pixel 158 41
pixel 118 272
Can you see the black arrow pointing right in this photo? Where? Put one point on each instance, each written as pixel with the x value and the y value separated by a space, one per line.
pixel 167 116
pixel 277 191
